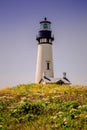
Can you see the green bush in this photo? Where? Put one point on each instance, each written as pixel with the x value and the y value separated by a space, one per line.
pixel 31 117
pixel 26 108
pixel 2 128
pixel 2 105
pixel 71 104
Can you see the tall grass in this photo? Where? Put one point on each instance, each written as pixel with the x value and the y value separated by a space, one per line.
pixel 43 107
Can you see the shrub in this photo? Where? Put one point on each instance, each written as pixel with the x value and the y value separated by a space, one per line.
pixel 2 105
pixel 71 104
pixel 1 119
pixel 27 107
pixel 31 117
pixel 2 128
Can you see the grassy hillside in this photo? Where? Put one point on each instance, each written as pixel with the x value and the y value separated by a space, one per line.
pixel 43 107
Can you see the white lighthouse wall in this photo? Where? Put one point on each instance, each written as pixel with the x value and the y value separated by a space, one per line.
pixel 44 56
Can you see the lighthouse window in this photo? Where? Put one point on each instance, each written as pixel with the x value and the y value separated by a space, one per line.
pixel 43 40
pixel 48 65
pixel 45 26
pixel 40 40
pixel 49 40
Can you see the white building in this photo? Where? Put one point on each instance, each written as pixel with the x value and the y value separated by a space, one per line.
pixel 44 68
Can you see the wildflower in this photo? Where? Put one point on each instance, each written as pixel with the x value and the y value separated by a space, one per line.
pixel 0 126
pixel 64 120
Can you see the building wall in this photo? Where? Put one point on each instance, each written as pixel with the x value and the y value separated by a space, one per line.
pixel 44 61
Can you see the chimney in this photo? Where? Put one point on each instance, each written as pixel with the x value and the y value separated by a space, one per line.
pixel 64 74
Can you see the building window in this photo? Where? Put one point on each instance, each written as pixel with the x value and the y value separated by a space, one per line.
pixel 48 65
pixel 43 40
pixel 45 26
pixel 40 40
pixel 49 40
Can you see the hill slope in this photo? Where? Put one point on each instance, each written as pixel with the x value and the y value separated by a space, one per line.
pixel 43 107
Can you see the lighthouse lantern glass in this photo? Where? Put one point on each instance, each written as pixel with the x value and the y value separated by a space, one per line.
pixel 45 26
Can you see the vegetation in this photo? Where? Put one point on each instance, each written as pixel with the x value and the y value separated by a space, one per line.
pixel 43 107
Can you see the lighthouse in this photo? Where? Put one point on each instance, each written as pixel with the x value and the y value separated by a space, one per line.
pixel 44 67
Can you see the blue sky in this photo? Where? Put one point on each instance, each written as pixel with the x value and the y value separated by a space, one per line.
pixel 19 24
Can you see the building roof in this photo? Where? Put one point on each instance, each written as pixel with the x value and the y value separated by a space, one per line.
pixel 48 80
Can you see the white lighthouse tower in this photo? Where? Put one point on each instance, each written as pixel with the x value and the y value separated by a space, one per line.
pixel 44 55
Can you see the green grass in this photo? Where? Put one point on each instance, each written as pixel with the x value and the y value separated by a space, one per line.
pixel 43 107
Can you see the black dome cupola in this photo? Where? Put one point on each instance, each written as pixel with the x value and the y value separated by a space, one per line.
pixel 45 34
